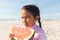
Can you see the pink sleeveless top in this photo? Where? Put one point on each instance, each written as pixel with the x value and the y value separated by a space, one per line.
pixel 39 34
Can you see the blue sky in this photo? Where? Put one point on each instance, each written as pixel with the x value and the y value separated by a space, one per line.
pixel 49 9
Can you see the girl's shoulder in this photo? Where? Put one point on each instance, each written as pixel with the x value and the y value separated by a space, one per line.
pixel 39 33
pixel 37 28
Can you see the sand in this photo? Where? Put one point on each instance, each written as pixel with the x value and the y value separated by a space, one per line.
pixel 51 28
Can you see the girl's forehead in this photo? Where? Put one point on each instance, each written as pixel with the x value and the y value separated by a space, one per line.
pixel 25 12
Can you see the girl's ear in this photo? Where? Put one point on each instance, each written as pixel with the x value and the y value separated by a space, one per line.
pixel 37 17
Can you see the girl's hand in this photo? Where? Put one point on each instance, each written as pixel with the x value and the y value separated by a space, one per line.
pixel 11 36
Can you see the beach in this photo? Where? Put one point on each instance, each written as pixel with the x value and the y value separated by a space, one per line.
pixel 51 28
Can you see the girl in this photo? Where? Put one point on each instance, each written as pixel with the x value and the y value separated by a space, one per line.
pixel 30 14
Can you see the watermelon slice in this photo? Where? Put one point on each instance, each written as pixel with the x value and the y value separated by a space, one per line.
pixel 23 33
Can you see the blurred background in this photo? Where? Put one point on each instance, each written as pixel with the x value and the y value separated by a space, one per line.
pixel 10 15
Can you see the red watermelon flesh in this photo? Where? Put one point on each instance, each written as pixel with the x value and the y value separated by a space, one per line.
pixel 23 33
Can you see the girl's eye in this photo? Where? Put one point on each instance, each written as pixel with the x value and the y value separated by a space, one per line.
pixel 22 17
pixel 27 17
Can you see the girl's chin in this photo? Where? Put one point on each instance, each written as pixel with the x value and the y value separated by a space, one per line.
pixel 26 25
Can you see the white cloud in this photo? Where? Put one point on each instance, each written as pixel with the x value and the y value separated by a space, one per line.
pixel 51 16
pixel 45 16
pixel 56 14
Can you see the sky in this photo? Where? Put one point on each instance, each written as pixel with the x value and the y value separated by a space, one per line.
pixel 11 9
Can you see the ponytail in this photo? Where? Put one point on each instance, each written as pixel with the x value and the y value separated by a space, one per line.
pixel 39 22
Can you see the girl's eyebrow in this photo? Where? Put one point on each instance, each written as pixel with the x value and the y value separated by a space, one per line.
pixel 25 16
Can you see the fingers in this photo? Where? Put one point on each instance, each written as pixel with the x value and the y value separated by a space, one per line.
pixel 11 36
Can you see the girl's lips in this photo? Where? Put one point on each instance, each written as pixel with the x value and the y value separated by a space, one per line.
pixel 24 24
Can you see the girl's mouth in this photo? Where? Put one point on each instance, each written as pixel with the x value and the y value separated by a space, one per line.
pixel 25 24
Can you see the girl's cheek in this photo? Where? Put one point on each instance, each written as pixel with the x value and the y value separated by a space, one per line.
pixel 28 20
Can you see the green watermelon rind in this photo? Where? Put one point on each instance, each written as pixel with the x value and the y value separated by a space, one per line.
pixel 32 35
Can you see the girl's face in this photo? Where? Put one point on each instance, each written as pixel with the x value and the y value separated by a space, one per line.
pixel 27 18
